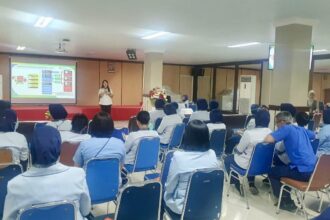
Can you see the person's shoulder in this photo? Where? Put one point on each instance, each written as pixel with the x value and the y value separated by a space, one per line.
pixel 116 141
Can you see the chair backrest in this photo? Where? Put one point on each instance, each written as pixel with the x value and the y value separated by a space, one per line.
pixel 315 145
pixel 204 195
pixel 193 106
pixel 147 154
pixel 166 167
pixel 157 123
pixel 6 156
pixel 261 159
pixel 63 210
pixel 6 174
pixel 67 152
pixel 320 178
pixel 310 125
pixel 217 141
pixel 176 136
pixel 102 175
pixel 140 202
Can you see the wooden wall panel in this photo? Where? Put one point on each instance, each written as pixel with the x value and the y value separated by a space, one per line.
pixel 4 70
pixel 88 79
pixel 114 79
pixel 205 84
pixel 132 79
pixel 171 77
pixel 186 81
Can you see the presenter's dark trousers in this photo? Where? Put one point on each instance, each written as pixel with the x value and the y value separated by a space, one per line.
pixel 106 108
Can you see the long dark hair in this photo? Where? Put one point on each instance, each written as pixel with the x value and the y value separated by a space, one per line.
pixel 196 137
pixel 107 85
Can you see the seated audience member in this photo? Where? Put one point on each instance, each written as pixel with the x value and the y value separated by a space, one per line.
pixel 201 113
pixel 9 138
pixel 196 154
pixel 243 151
pixel 252 123
pixel 78 132
pixel 302 158
pixel 216 121
pixel 3 106
pixel 214 105
pixel 288 107
pixel 133 139
pixel 324 134
pixel 58 116
pixel 185 101
pixel 47 180
pixel 302 119
pixel 159 112
pixel 102 144
pixel 168 123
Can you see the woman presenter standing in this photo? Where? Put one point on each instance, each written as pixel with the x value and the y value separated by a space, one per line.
pixel 105 96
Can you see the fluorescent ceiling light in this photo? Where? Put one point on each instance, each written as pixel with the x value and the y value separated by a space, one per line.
pixel 321 50
pixel 20 48
pixel 157 34
pixel 244 45
pixel 43 22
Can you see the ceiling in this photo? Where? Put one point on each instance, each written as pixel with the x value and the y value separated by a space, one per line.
pixel 200 30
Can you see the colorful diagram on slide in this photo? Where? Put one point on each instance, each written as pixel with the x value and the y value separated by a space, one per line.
pixel 31 80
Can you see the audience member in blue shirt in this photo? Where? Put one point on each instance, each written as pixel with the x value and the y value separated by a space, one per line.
pixel 302 158
pixel 324 134
pixel 101 144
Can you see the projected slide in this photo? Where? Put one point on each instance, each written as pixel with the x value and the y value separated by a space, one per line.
pixel 42 82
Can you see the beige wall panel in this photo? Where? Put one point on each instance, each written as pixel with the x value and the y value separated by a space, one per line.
pixel 114 80
pixel 317 85
pixel 205 85
pixel 171 77
pixel 87 82
pixel 4 70
pixel 132 76
pixel 186 81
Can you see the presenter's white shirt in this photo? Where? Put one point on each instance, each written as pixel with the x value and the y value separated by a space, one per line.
pixel 247 143
pixel 105 98
pixel 17 143
pixel 61 125
pixel 69 136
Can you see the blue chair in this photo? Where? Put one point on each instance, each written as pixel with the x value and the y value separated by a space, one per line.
pixel 146 155
pixel 139 201
pixel 193 106
pixel 203 197
pixel 325 215
pixel 176 138
pixel 7 172
pixel 315 144
pixel 63 210
pixel 260 164
pixel 310 125
pixel 157 123
pixel 102 176
pixel 217 141
pixel 119 133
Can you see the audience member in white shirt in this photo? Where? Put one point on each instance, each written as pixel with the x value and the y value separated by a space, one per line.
pixel 133 139
pixel 78 132
pixel 216 121
pixel 16 142
pixel 201 113
pixel 243 151
pixel 58 116
pixel 168 123
pixel 158 112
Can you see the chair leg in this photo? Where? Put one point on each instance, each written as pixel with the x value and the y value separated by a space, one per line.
pixel 245 189
pixel 302 196
pixel 229 178
pixel 320 205
pixel 279 200
pixel 298 199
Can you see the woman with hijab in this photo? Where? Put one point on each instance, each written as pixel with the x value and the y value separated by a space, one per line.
pixel 216 121
pixel 201 113
pixel 105 96
pixel 58 116
pixel 47 180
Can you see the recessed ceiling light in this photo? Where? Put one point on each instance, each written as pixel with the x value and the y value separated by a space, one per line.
pixel 154 35
pixel 319 51
pixel 20 48
pixel 43 22
pixel 244 45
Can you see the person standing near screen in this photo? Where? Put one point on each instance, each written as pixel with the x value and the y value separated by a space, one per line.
pixel 105 96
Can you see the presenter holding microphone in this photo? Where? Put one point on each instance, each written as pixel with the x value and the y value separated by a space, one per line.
pixel 105 96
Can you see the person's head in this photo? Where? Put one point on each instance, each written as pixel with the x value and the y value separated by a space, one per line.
pixel 102 125
pixel 216 116
pixel 45 145
pixel 214 105
pixel 105 84
pixel 283 118
pixel 79 123
pixel 142 119
pixel 311 94
pixel 3 106
pixel 176 105
pixel 262 118
pixel 169 109
pixel 184 98
pixel 254 108
pixel 302 119
pixel 201 104
pixel 159 104
pixel 288 107
pixel 196 136
pixel 8 121
pixel 326 116
pixel 57 111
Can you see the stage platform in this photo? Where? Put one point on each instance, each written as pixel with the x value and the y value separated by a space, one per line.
pixel 37 113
